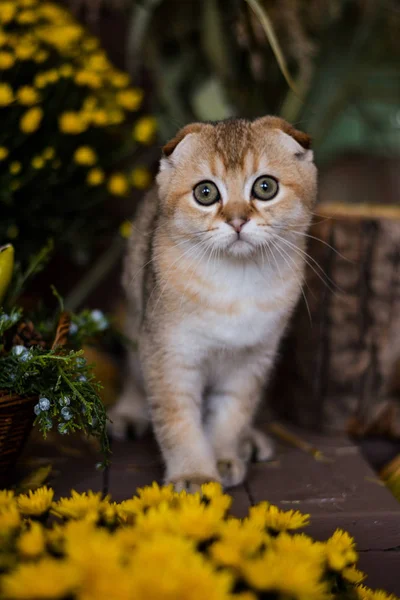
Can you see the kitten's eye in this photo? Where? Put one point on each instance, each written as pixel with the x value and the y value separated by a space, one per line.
pixel 265 188
pixel 206 193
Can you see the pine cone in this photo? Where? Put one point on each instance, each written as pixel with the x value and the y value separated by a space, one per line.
pixel 28 336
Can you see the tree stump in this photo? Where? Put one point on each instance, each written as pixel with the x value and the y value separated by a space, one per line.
pixel 338 362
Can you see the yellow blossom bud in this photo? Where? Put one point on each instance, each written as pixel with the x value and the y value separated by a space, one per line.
pixel 6 94
pixel 99 118
pixel 95 177
pixel 38 162
pixel 7 11
pixel 49 153
pixel 66 70
pixel 88 78
pixel 141 178
pixel 32 542
pixel 25 51
pixel 40 80
pixel 27 95
pixel 144 130
pixel 26 17
pixel 120 80
pixel 72 123
pixel 3 152
pixel 130 99
pixel 15 167
pixel 125 229
pixel 85 156
pixel 118 184
pixel 7 60
pixel 30 121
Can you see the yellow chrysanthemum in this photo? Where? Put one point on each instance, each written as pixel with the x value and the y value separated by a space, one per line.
pixel 141 178
pixel 120 80
pixel 180 568
pixel 7 11
pixel 144 130
pixel 353 575
pixel 7 497
pixel 271 517
pixel 32 543
pixel 38 162
pixel 340 550
pixel 15 167
pixel 6 94
pixel 125 229
pixel 41 56
pixel 287 576
pixel 36 502
pixel 10 518
pixel 72 123
pixel 31 120
pixel 365 593
pixel 27 95
pixel 85 156
pixel 238 541
pixel 7 60
pixel 3 38
pixel 88 78
pixel 118 184
pixel 3 152
pixel 78 505
pixel 27 3
pixel 148 496
pixel 66 70
pixel 99 117
pixel 27 17
pixel 98 62
pixel 48 578
pixel 49 153
pixel 25 51
pixel 130 99
pixel 95 177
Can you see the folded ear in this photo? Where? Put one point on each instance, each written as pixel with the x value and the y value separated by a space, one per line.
pixel 302 141
pixel 187 130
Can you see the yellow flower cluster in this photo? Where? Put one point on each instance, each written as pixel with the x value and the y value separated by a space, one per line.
pixel 164 545
pixel 47 58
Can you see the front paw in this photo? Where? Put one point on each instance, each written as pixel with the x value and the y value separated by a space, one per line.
pixel 232 471
pixel 191 483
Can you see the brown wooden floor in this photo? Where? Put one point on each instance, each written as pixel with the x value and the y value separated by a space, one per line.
pixel 343 492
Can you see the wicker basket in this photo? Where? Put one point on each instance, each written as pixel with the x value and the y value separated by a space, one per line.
pixel 16 420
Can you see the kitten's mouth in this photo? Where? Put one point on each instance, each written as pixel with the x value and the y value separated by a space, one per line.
pixel 240 246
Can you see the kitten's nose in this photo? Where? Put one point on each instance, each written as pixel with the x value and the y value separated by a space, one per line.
pixel 237 224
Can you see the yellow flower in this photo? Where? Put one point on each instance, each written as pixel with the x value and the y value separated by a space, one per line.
pixel 3 38
pixel 90 44
pixel 6 60
pixel 286 576
pixel 48 578
pixel 15 167
pixel 10 518
pixel 25 51
pixel 32 543
pixel 115 117
pixel 38 162
pixel 95 177
pixel 365 593
pixel 27 3
pixel 30 121
pixel 353 575
pixel 7 498
pixel 85 156
pixel 88 78
pixel 125 229
pixel 35 503
pixel 98 62
pixel 26 17
pixel 99 117
pixel 7 11
pixel 6 93
pixel 78 505
pixel 49 153
pixel 66 70
pixel 3 152
pixel 120 80
pixel 41 56
pixel 141 178
pixel 72 123
pixel 27 95
pixel 340 550
pixel 130 99
pixel 271 517
pixel 147 497
pixel 239 540
pixel 118 184
pixel 144 130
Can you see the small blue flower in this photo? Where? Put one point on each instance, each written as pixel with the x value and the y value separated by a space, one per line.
pixel 13 376
pixel 73 328
pixel 64 401
pixel 36 409
pixel 81 362
pixel 62 428
pixel 22 353
pixel 4 317
pixel 66 413
pixel 44 403
pixel 82 378
pixel 99 318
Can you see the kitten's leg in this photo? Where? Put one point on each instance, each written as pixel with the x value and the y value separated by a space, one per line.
pixel 232 405
pixel 175 397
pixel 131 409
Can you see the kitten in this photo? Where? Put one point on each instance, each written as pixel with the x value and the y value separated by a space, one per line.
pixel 213 272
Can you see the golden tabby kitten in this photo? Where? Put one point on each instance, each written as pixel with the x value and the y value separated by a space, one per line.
pixel 213 272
